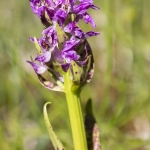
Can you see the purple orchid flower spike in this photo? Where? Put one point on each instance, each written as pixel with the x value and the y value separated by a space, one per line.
pixel 63 44
pixel 64 53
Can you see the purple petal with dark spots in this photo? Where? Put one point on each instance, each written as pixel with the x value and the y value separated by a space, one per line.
pixel 58 2
pixel 70 55
pixel 40 11
pixel 48 30
pixel 88 19
pixel 50 36
pixel 45 57
pixel 83 7
pixel 56 55
pixel 78 33
pixel 69 27
pixel 39 69
pixel 35 5
pixel 70 44
pixel 91 33
pixel 61 16
pixel 72 2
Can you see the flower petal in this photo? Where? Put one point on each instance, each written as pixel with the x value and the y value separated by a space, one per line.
pixel 88 19
pixel 78 33
pixel 61 16
pixel 70 55
pixel 83 7
pixel 50 2
pixel 50 36
pixel 45 57
pixel 71 44
pixel 91 33
pixel 35 5
pixel 69 27
pixel 39 69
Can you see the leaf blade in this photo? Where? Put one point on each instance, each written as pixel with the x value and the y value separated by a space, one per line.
pixel 55 141
pixel 91 127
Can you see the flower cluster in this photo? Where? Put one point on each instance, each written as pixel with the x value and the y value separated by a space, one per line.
pixel 63 44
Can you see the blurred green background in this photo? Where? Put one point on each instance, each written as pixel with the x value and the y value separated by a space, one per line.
pixel 119 89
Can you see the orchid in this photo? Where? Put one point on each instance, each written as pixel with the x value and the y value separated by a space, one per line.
pixel 63 50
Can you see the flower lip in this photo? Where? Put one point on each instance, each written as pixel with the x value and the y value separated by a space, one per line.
pixel 61 16
pixel 70 55
pixel 71 43
pixel 91 33
pixel 39 69
pixel 69 27
pixel 83 7
pixel 45 57
pixel 88 19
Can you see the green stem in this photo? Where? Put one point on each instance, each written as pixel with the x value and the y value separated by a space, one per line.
pixel 75 114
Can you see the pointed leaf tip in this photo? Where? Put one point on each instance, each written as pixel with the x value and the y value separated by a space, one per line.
pixel 55 141
pixel 38 48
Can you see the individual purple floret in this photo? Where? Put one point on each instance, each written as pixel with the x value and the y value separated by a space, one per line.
pixel 39 69
pixel 63 42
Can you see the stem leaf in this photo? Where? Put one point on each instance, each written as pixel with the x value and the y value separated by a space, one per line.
pixel 92 130
pixel 56 142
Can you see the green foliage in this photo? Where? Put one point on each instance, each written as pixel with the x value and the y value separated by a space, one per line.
pixel 38 48
pixel 91 127
pixel 56 142
pixel 77 73
pixel 119 89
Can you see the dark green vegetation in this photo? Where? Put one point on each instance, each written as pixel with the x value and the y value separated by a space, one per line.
pixel 120 87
